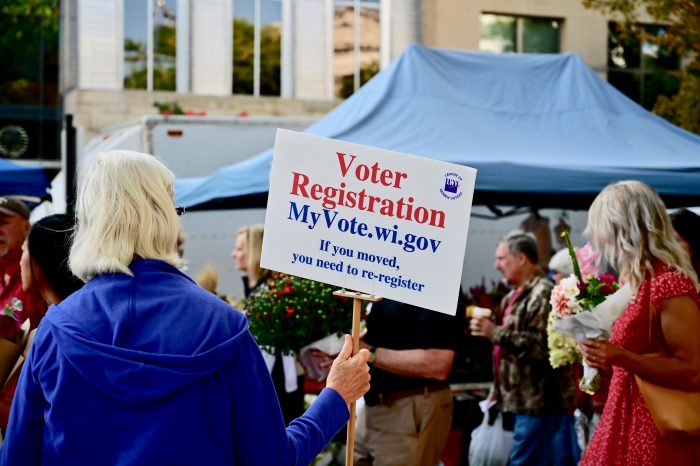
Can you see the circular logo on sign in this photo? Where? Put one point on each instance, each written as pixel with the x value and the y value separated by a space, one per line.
pixel 13 141
pixel 451 188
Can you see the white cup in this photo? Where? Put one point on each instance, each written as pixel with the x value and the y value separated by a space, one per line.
pixel 478 312
pixel 481 312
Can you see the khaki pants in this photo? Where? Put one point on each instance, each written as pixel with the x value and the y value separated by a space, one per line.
pixel 412 432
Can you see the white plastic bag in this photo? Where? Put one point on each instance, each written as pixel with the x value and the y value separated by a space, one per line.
pixel 490 444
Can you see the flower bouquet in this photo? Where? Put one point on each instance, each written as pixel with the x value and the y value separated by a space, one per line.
pixel 584 305
pixel 287 313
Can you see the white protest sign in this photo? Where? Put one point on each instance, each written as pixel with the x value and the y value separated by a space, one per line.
pixel 368 219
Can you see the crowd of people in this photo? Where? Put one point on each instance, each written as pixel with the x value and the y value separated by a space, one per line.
pixel 135 363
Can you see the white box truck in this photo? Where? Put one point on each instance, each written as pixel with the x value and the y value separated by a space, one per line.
pixel 197 146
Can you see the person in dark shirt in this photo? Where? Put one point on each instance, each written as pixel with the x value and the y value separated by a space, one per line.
pixel 408 413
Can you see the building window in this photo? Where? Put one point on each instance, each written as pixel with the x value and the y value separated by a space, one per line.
pixel 356 44
pixel 257 47
pixel 30 103
pixel 640 69
pixel 522 34
pixel 150 64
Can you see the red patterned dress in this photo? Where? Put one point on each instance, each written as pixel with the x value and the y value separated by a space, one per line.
pixel 626 434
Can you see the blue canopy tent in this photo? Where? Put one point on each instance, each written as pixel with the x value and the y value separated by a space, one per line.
pixel 542 130
pixel 16 180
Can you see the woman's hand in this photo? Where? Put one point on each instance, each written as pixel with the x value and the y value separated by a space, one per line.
pixel 599 354
pixel 349 375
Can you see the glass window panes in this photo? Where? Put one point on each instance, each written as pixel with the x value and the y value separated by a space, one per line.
pixel 271 47
pixel 164 45
pixel 344 51
pixel 269 34
pixel 135 35
pixel 370 39
pixel 540 35
pixel 243 46
pixel 356 52
pixel 498 33
pixel 503 33
pixel 640 68
pixel 623 49
pixel 656 56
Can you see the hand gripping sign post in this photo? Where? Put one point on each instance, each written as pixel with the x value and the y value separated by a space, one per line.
pixel 371 220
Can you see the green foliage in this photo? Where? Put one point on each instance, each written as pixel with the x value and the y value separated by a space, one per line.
pixel 243 52
pixel 270 60
pixel 681 19
pixel 164 53
pixel 243 58
pixel 26 26
pixel 287 312
pixel 169 108
pixel 683 108
pixel 367 72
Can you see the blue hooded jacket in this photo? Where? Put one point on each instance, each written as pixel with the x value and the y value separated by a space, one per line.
pixel 153 370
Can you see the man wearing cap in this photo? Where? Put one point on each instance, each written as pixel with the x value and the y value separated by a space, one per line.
pixel 14 225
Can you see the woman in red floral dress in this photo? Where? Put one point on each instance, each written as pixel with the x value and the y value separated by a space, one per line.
pixel 629 223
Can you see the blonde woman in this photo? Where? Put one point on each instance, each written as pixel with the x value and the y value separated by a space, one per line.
pixel 288 385
pixel 246 253
pixel 629 224
pixel 141 366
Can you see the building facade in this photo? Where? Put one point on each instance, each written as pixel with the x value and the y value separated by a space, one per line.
pixel 261 57
pixel 299 57
pixel 638 68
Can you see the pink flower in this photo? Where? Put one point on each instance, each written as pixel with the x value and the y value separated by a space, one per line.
pixel 560 302
pixel 587 259
pixel 563 298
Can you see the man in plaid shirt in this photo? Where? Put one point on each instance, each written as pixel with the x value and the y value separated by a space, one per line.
pixel 526 384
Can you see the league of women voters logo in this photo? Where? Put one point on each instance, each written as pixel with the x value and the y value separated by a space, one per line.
pixel 451 189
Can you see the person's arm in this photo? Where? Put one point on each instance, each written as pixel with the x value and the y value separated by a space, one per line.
pixel 530 340
pixel 680 321
pixel 259 436
pixel 24 437
pixel 432 363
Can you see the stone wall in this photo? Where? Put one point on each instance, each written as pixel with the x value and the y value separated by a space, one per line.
pixel 94 110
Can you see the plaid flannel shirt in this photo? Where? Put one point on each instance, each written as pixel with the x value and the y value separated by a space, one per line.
pixel 527 383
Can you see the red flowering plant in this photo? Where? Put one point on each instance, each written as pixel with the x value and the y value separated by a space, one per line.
pixel 489 298
pixel 287 313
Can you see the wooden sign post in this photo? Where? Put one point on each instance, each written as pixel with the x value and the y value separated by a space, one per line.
pixel 357 299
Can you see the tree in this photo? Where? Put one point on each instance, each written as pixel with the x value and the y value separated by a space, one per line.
pixel 243 57
pixel 682 21
pixel 29 51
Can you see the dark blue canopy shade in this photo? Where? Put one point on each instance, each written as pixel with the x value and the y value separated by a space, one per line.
pixel 542 130
pixel 22 181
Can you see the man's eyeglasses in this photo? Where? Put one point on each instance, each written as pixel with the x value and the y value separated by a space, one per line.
pixel 179 210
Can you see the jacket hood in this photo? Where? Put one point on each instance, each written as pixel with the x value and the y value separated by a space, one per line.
pixel 142 338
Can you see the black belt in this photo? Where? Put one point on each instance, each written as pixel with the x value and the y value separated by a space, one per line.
pixel 389 398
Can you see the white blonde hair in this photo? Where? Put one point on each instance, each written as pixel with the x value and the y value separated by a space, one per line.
pixel 124 209
pixel 628 222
